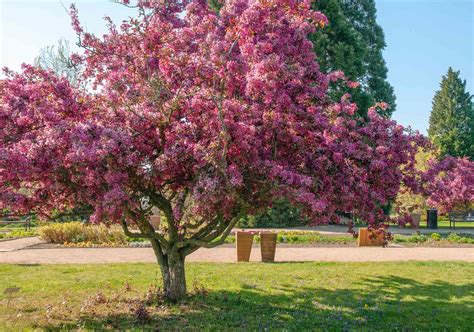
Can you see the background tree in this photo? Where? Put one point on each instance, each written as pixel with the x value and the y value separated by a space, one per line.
pixel 449 184
pixel 353 42
pixel 206 118
pixel 58 59
pixel 451 126
pixel 407 201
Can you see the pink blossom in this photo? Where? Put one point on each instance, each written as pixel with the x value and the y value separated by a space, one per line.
pixel 207 116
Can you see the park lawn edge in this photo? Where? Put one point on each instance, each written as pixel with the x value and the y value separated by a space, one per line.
pixel 307 295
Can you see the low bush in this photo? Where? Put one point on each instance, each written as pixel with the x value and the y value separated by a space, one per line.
pixel 435 237
pixel 77 232
pixel 444 239
pixel 416 238
pixel 456 238
pixel 302 237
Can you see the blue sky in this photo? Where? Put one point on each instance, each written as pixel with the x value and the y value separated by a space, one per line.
pixel 424 38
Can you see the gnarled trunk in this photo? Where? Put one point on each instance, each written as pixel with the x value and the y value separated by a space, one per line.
pixel 174 278
pixel 173 273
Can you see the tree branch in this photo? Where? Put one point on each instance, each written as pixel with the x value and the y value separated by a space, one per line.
pixel 192 244
pixel 130 234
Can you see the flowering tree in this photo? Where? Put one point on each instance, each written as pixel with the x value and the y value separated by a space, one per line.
pixel 450 184
pixel 205 117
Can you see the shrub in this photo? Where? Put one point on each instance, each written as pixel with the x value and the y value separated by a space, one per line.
pixel 77 232
pixel 416 238
pixel 435 237
pixel 281 214
pixel 456 238
pixel 453 237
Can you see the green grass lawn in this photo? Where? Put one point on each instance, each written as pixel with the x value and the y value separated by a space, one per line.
pixel 248 296
pixel 443 222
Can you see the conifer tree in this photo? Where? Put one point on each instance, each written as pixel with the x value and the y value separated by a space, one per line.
pixel 451 126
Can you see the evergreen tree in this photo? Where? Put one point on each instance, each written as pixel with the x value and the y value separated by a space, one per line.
pixel 451 126
pixel 353 42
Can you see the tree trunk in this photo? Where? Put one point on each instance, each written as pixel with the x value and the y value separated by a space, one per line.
pixel 174 278
pixel 172 271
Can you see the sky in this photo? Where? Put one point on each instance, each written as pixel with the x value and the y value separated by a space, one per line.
pixel 424 38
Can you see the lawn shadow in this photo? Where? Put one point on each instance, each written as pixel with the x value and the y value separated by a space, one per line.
pixel 27 264
pixel 375 303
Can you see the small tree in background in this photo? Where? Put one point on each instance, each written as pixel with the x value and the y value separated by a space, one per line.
pixel 449 184
pixel 206 118
pixel 446 184
pixel 353 42
pixel 451 125
pixel 407 201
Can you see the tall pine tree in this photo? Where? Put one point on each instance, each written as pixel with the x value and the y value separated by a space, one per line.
pixel 451 126
pixel 353 42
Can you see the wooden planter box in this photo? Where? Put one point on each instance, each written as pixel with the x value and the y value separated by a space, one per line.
pixel 268 246
pixel 365 239
pixel 244 246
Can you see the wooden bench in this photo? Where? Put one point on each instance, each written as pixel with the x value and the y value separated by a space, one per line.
pixel 460 216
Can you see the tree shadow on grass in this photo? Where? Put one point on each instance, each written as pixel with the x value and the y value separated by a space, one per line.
pixel 375 303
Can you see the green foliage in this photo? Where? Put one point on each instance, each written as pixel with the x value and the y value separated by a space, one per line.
pixel 451 238
pixel 282 214
pixel 416 238
pixel 353 42
pixel 139 239
pixel 456 238
pixel 77 232
pixel 15 232
pixel 408 202
pixel 302 237
pixel 216 4
pixel 451 126
pixel 315 239
pixel 435 237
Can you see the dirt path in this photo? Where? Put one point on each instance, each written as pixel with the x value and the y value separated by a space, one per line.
pixel 226 254
pixel 17 244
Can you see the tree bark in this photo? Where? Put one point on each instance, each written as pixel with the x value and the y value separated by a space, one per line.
pixel 172 271
pixel 174 278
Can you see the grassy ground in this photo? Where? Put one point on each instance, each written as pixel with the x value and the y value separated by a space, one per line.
pixel 16 233
pixel 253 296
pixel 443 222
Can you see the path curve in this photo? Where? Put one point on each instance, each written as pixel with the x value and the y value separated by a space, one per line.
pixel 226 254
pixel 17 244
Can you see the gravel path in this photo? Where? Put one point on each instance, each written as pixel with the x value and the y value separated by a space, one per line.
pixel 16 244
pixel 226 254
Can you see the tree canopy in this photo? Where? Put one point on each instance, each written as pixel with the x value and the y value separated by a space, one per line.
pixel 449 184
pixel 353 42
pixel 451 126
pixel 204 117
